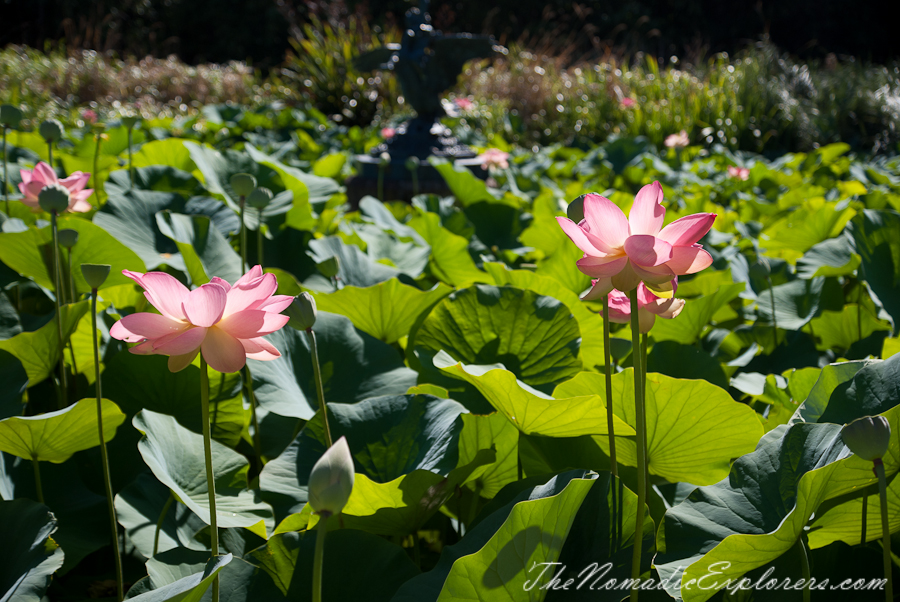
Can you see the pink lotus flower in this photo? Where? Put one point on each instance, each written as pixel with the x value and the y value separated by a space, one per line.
pixel 464 103
pixel 679 140
pixel 227 323
pixel 649 306
pixel 621 252
pixel 494 157
pixel 388 133
pixel 89 116
pixel 43 175
pixel 628 102
pixel 739 173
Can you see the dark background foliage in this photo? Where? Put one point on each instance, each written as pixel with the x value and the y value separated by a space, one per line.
pixel 258 30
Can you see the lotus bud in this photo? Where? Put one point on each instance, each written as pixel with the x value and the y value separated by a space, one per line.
pixel 302 312
pixel 95 274
pixel 575 210
pixel 331 480
pixel 384 159
pixel 10 116
pixel 129 121
pixel 330 267
pixel 412 164
pixel 259 198
pixel 54 197
pixel 868 437
pixel 68 237
pixel 243 184
pixel 51 130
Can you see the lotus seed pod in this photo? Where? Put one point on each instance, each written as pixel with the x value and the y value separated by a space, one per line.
pixel 95 273
pixel 259 198
pixel 330 267
pixel 10 116
pixel 302 312
pixel 868 437
pixel 51 130
pixel 68 237
pixel 384 159
pixel 413 163
pixel 129 121
pixel 331 480
pixel 54 197
pixel 243 184
pixel 575 210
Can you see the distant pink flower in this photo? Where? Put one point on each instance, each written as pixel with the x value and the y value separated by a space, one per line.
pixel 621 252
pixel 227 323
pixel 464 103
pixel 679 140
pixel 628 102
pixel 89 116
pixel 740 173
pixel 649 306
pixel 494 157
pixel 388 133
pixel 43 175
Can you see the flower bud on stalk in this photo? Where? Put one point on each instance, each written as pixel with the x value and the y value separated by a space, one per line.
pixel 330 267
pixel 51 130
pixel 10 116
pixel 259 198
pixel 243 184
pixel 868 437
pixel 302 312
pixel 95 274
pixel 54 197
pixel 68 237
pixel 331 480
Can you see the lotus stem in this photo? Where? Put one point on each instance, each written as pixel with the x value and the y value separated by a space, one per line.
pixel 130 162
pixel 319 558
pixel 210 481
pixel 804 567
pixel 640 441
pixel 885 530
pixel 259 245
pixel 774 321
pixel 104 457
pixel 161 520
pixel 865 508
pixel 613 466
pixel 243 239
pixel 37 479
pixel 63 390
pixel 99 138
pixel 71 277
pixel 320 391
pixel 50 154
pixel 5 174
pixel 254 420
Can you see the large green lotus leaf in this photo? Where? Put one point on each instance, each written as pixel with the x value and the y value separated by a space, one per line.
pixel 354 366
pixel 839 330
pixel 144 382
pixel 138 508
pixel 685 361
pixel 486 432
pixel 559 253
pixel 465 186
pixel 450 260
pixel 802 229
pixel 236 579
pixel 796 303
pixel 10 325
pixel 386 310
pixel 876 237
pixel 497 556
pixel 55 436
pixel 832 257
pixel 15 381
pixel 31 555
pixel 378 567
pixel 205 250
pixel 589 323
pixel 756 514
pixel 187 589
pixel 175 455
pixel 533 336
pixel 532 412
pixel 873 389
pixel 31 253
pixel 131 218
pixel 694 428
pixel 356 268
pixel 216 169
pixel 409 256
pixel 170 152
pixel 318 188
pixel 159 178
pixel 697 313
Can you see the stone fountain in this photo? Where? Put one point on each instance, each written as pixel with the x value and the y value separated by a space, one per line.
pixel 427 63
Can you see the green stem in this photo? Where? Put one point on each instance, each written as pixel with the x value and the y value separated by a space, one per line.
pixel 640 442
pixel 885 530
pixel 613 466
pixel 257 444
pixel 804 567
pixel 259 245
pixel 50 154
pixel 37 479
pixel 5 174
pixel 130 162
pixel 774 321
pixel 61 401
pixel 161 520
pixel 317 375
pixel 71 277
pixel 243 240
pixel 104 457
pixel 865 508
pixel 210 481
pixel 96 174
pixel 318 559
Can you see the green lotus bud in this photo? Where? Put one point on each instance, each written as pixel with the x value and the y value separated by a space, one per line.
pixel 129 121
pixel 10 116
pixel 302 312
pixel 384 159
pixel 330 267
pixel 412 164
pixel 575 210
pixel 54 197
pixel 868 437
pixel 243 184
pixel 51 130
pixel 259 198
pixel 331 480
pixel 68 238
pixel 95 273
